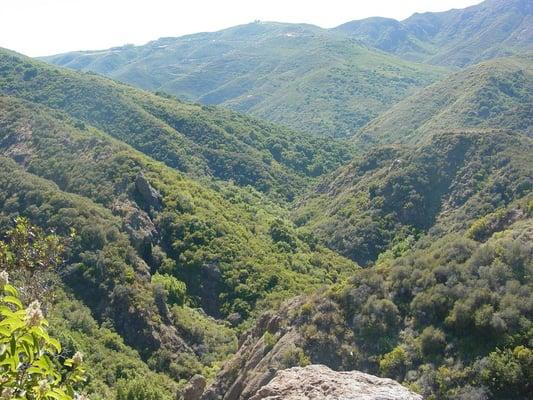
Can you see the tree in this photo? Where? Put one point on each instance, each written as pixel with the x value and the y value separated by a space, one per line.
pixel 30 362
pixel 32 366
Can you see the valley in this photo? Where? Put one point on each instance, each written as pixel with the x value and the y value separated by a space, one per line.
pixel 209 216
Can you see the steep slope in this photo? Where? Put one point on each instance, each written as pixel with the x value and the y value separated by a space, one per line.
pixel 202 141
pixel 386 34
pixel 450 319
pixel 392 195
pixel 462 37
pixel 164 213
pixel 492 95
pixel 152 245
pixel 302 76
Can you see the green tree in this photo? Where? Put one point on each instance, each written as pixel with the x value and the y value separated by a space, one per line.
pixel 30 364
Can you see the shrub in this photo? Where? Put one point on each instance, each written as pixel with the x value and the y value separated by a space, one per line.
pixel 30 367
pixel 432 341
pixel 394 364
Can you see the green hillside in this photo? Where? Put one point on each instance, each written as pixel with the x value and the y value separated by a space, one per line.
pixel 152 246
pixel 199 140
pixel 302 76
pixel 392 195
pixel 450 318
pixel 495 94
pixel 458 37
pixel 388 229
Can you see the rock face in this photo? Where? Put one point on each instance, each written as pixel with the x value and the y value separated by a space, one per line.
pixel 269 366
pixel 319 382
pixel 194 389
pixel 256 361
pixel 138 225
pixel 151 198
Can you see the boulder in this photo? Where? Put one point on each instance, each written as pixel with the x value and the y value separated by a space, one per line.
pixel 150 197
pixel 319 382
pixel 194 388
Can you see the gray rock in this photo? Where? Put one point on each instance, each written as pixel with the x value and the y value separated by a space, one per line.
pixel 318 382
pixel 194 388
pixel 138 225
pixel 150 197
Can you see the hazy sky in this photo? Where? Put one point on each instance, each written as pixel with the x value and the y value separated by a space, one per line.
pixel 43 27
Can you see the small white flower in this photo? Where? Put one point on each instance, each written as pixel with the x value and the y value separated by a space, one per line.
pixel 77 359
pixel 43 385
pixel 7 393
pixel 4 278
pixel 34 315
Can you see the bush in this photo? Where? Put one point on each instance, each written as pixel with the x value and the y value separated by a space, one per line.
pixel 432 341
pixel 509 373
pixel 139 390
pixel 394 364
pixel 30 367
pixel 175 290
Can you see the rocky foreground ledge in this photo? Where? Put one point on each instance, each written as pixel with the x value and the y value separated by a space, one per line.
pixel 316 382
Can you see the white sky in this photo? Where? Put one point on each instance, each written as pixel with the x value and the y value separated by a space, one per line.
pixel 45 27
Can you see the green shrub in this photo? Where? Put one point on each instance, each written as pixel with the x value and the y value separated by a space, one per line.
pixel 394 364
pixel 30 366
pixel 175 290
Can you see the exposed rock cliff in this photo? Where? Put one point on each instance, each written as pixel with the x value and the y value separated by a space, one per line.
pixel 271 365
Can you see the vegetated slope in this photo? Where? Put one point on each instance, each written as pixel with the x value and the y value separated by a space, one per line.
pixel 461 37
pixel 392 195
pixel 151 244
pixel 302 76
pixel 493 94
pixel 199 140
pixel 450 318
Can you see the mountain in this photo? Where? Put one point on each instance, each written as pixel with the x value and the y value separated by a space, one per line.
pixel 199 140
pixel 310 79
pixel 496 94
pixel 386 34
pixel 157 258
pixel 393 195
pixel 193 252
pixel 493 28
pixel 450 318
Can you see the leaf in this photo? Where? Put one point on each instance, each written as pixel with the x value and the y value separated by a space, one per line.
pixel 55 344
pixel 11 290
pixel 13 300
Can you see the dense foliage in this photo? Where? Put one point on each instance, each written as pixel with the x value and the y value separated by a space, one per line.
pixel 202 141
pixel 29 364
pixel 151 246
pixel 452 318
pixel 308 78
pixel 176 227
pixel 390 196
pixel 32 365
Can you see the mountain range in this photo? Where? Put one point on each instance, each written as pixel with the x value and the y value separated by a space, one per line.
pixel 324 81
pixel 381 220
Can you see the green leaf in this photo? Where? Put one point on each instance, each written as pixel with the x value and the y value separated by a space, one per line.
pixel 13 300
pixel 11 290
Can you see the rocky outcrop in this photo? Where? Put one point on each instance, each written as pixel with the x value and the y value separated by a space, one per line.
pixel 194 388
pixel 270 364
pixel 139 227
pixel 263 350
pixel 319 382
pixel 149 197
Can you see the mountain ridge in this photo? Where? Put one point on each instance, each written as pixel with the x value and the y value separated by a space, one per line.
pixel 280 72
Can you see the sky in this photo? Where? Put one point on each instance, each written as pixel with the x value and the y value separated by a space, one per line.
pixel 45 27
